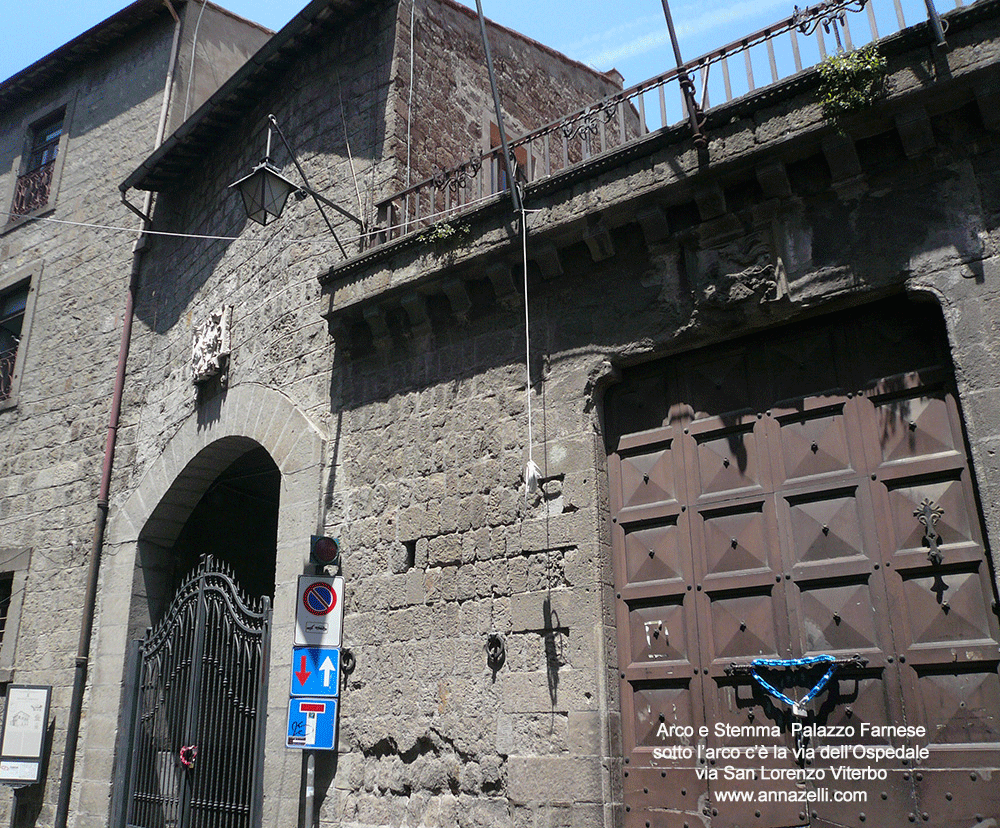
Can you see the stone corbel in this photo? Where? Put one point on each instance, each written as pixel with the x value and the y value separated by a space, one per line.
pixel 845 166
pixel 382 339
pixel 458 297
pixel 547 258
pixel 914 128
pixel 773 180
pixel 341 333
pixel 598 241
pixel 988 99
pixel 711 201
pixel 502 278
pixel 654 224
pixel 416 310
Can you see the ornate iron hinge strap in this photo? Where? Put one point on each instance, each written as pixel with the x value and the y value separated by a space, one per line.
pixel 929 513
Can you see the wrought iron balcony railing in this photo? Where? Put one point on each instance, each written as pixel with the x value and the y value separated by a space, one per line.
pixel 32 190
pixel 7 359
pixel 783 49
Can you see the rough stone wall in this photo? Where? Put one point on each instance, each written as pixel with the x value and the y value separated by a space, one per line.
pixel 452 101
pixel 427 428
pixel 54 436
pixel 434 536
pixel 53 439
pixel 444 549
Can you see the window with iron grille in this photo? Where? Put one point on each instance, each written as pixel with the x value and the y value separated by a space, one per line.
pixel 14 564
pixel 13 304
pixel 34 185
pixel 6 587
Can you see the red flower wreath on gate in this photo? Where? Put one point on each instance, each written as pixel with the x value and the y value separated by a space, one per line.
pixel 188 754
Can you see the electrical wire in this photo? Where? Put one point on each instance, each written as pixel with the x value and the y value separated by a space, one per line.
pixel 311 239
pixel 532 474
pixel 194 49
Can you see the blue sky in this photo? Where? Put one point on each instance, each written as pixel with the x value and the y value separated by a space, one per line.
pixel 629 35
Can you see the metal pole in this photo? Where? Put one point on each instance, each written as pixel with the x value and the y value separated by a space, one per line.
pixel 309 815
pixel 687 86
pixel 934 20
pixel 496 105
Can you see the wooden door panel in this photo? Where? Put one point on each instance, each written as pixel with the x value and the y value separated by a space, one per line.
pixel 810 494
pixel 826 527
pixel 813 444
pixel 912 427
pixel 837 618
pixel 657 553
pixel 734 542
pixel 659 633
pixel 729 460
pixel 648 477
pixel 961 703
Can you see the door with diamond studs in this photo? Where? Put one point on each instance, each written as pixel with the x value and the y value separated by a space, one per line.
pixel 800 566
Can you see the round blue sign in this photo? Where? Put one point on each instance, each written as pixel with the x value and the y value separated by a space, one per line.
pixel 319 598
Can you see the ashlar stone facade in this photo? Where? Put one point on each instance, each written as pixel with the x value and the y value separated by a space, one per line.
pixel 109 88
pixel 392 390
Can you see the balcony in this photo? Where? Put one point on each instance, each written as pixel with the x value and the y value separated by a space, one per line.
pixel 32 191
pixel 736 70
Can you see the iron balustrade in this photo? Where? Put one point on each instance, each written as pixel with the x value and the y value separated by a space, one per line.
pixel 798 42
pixel 32 191
pixel 7 359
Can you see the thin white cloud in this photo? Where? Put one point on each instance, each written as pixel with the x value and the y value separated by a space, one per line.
pixel 685 28
pixel 638 24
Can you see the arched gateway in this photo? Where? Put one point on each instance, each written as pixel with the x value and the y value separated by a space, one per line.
pixel 178 575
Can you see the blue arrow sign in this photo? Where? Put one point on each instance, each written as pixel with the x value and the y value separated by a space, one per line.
pixel 315 672
pixel 312 724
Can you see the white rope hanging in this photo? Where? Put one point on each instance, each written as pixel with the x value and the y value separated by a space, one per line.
pixel 532 474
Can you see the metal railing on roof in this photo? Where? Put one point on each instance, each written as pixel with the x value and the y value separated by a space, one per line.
pixel 783 49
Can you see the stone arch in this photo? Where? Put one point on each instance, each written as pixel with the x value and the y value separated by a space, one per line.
pixel 208 441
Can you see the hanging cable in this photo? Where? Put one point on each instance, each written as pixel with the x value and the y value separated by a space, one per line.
pixel 532 474
pixel 194 49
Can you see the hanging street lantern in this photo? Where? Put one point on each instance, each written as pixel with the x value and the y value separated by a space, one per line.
pixel 264 192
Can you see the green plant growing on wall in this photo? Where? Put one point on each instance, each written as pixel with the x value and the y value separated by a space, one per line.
pixel 851 82
pixel 445 231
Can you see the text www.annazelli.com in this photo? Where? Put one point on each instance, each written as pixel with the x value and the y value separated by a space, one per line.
pixel 815 795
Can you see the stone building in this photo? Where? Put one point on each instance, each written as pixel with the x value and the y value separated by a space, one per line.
pixel 759 386
pixel 72 125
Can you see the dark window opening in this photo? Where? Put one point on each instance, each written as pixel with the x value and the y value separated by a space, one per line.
pixel 12 306
pixel 6 589
pixel 411 555
pixel 34 185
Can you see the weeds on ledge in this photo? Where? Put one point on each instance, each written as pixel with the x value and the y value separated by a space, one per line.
pixel 851 82
pixel 445 231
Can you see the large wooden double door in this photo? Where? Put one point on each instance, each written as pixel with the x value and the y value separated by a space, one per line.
pixel 799 494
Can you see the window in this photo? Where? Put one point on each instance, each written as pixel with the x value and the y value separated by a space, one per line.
pixel 12 307
pixel 34 185
pixel 13 578
pixel 17 300
pixel 36 172
pixel 499 172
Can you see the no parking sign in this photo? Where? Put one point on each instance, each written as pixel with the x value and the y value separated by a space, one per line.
pixel 319 611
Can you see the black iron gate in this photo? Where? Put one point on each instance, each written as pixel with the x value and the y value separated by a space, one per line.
pixel 196 755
